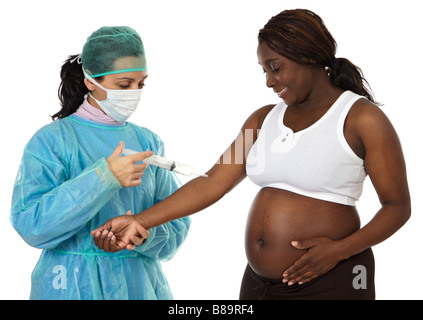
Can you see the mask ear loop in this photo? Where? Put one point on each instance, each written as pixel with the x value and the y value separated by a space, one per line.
pixel 92 80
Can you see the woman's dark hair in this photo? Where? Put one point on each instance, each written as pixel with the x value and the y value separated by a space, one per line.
pixel 72 89
pixel 300 35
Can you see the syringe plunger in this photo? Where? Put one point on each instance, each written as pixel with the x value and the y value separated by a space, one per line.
pixel 167 164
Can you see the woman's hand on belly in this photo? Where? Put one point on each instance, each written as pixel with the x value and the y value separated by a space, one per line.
pixel 322 255
pixel 277 217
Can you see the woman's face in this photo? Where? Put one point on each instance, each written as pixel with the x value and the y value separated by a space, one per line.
pixel 119 81
pixel 290 80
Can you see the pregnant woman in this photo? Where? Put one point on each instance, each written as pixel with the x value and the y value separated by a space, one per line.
pixel 310 154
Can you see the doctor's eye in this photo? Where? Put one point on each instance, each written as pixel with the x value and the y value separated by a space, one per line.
pixel 124 84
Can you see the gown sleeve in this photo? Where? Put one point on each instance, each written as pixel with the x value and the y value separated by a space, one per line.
pixel 165 240
pixel 47 206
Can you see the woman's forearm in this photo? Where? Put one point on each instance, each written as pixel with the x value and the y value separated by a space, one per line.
pixel 386 222
pixel 194 196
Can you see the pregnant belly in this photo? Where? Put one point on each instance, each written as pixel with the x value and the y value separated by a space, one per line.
pixel 278 217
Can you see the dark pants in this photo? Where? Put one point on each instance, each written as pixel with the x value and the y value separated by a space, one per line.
pixel 351 279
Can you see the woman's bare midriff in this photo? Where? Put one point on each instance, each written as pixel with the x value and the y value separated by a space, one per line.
pixel 278 217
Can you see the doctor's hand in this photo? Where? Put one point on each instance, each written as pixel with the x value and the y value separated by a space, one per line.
pixel 322 255
pixel 122 232
pixel 125 169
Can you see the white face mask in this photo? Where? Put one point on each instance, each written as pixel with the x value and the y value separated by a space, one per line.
pixel 119 104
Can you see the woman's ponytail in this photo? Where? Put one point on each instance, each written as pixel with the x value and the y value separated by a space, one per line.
pixel 347 76
pixel 72 89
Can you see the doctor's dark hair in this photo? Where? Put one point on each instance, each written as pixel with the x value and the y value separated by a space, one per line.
pixel 301 36
pixel 72 89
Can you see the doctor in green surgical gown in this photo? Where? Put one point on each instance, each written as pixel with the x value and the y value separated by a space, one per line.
pixel 73 178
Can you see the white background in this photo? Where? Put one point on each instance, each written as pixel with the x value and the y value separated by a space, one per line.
pixel 204 81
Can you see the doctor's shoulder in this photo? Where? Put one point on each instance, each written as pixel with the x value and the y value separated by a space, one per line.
pixel 49 136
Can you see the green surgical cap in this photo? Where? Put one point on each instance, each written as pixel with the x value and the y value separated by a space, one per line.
pixel 112 50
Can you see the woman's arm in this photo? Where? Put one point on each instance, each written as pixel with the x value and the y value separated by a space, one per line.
pixel 385 165
pixel 194 196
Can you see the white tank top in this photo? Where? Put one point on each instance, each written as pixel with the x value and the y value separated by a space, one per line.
pixel 316 162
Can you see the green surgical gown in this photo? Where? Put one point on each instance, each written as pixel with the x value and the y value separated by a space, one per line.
pixel 64 190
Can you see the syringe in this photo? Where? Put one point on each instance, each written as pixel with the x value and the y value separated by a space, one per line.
pixel 167 164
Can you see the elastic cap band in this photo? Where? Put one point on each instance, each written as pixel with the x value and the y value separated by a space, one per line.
pixel 117 71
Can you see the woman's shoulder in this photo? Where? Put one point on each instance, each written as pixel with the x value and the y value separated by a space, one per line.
pixel 365 113
pixel 369 122
pixel 256 119
pixel 264 111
